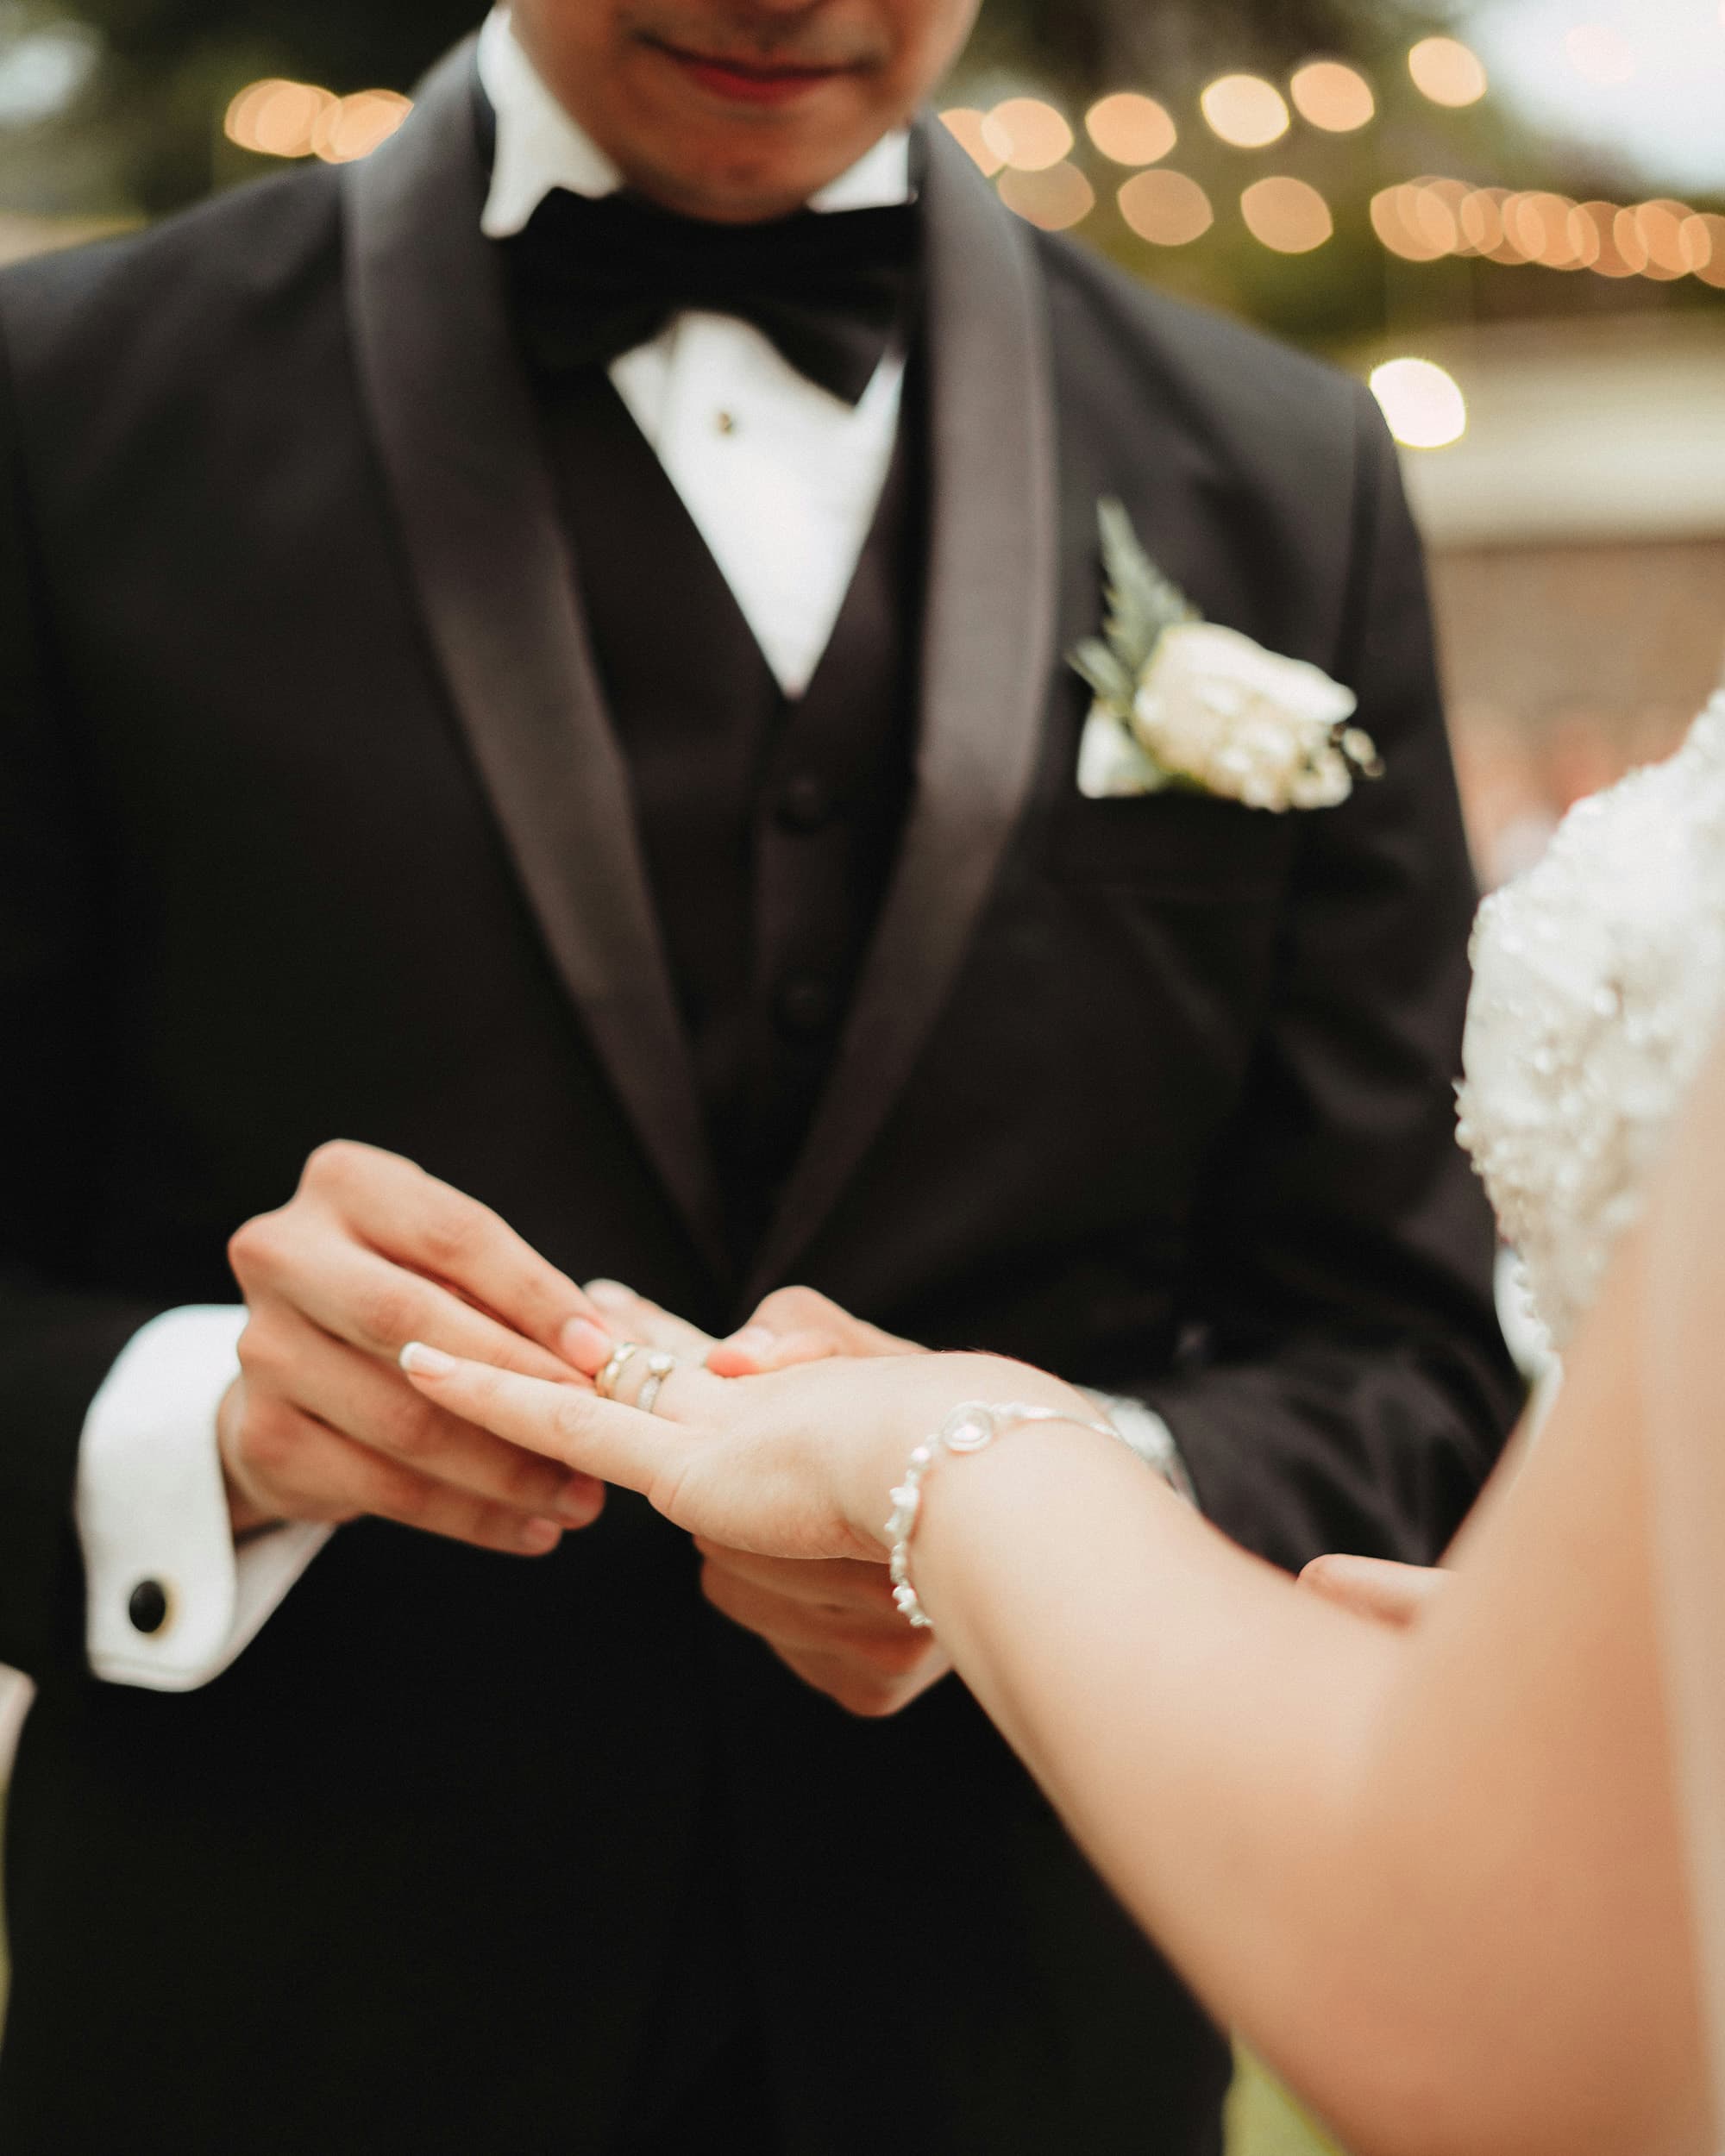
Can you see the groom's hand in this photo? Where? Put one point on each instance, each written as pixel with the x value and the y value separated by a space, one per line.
pixel 834 1624
pixel 800 1325
pixel 792 1325
pixel 370 1253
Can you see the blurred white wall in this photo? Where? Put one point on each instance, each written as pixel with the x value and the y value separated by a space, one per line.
pixel 1579 432
pixel 1578 539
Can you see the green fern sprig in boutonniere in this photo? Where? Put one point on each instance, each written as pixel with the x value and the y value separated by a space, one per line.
pixel 1181 702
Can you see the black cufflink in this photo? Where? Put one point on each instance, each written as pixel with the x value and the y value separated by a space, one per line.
pixel 147 1608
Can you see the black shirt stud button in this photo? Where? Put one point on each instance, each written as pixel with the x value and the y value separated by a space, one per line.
pixel 805 1006
pixel 148 1606
pixel 805 803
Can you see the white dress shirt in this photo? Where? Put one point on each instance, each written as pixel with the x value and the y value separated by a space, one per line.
pixel 782 480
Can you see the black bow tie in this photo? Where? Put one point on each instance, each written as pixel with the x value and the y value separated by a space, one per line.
pixel 593 280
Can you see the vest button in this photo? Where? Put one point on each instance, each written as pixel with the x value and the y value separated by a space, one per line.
pixel 147 1607
pixel 805 803
pixel 805 1006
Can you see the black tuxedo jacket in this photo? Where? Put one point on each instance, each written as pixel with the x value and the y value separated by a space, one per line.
pixel 312 823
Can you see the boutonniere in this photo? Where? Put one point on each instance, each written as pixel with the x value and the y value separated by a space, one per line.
pixel 1186 704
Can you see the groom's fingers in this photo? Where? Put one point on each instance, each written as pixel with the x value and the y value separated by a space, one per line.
pixel 632 1317
pixel 285 1356
pixel 407 1215
pixel 302 1470
pixel 800 1325
pixel 844 1638
pixel 835 1584
pixel 359 1296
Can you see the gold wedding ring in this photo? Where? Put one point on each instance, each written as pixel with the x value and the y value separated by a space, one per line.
pixel 659 1366
pixel 605 1383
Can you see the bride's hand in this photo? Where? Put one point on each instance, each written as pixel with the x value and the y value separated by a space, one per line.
pixel 798 1463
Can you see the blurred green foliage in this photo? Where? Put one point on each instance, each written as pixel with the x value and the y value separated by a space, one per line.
pixel 145 136
pixel 171 64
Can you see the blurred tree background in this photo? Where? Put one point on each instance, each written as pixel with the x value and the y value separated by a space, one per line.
pixel 166 67
pixel 115 108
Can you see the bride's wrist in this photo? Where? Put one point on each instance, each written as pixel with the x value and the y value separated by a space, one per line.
pixel 934 1386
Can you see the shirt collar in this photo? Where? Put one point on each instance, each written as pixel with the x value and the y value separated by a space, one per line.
pixel 540 147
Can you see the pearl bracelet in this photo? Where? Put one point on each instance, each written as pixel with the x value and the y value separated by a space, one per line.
pixel 969 1428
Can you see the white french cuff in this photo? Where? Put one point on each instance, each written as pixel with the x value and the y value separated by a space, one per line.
pixel 1141 1430
pixel 169 1601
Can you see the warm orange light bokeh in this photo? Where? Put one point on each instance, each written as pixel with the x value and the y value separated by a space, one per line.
pixel 1131 129
pixel 1055 197
pixel 1028 133
pixel 1166 208
pixel 1331 95
pixel 1448 71
pixel 969 128
pixel 1246 111
pixel 277 118
pixel 1287 215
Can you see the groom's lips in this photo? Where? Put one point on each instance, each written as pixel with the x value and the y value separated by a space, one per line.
pixel 749 82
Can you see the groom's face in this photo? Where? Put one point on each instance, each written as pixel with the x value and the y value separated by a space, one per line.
pixel 740 109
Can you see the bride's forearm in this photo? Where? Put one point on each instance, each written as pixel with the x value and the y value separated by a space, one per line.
pixel 1409 1867
pixel 1161 1685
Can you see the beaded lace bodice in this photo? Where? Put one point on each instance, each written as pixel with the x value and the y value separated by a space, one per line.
pixel 1599 980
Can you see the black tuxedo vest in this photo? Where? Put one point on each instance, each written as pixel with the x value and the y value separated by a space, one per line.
pixel 769 825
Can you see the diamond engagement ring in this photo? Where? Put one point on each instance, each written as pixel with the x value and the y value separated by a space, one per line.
pixel 659 1367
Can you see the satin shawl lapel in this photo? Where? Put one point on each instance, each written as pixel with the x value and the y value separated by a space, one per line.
pixel 989 646
pixel 454 422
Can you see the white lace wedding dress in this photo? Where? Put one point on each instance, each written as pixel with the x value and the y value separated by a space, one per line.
pixel 1599 981
pixel 1599 1001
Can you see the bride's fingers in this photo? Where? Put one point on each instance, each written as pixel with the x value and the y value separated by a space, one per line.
pixel 599 1436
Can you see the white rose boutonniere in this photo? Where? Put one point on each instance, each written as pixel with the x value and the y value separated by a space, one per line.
pixel 1184 703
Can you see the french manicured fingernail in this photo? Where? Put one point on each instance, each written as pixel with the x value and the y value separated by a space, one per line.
pixel 420 1361
pixel 611 1295
pixel 539 1537
pixel 575 1502
pixel 755 1340
pixel 584 1343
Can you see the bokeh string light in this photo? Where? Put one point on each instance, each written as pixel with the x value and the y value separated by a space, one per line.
pixel 1026 145
pixel 1423 405
pixel 1244 111
pixel 279 118
pixel 1337 98
pixel 1448 73
pixel 1028 133
pixel 1431 219
pixel 1287 216
pixel 970 127
pixel 1054 197
pixel 1129 130
pixel 1169 208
